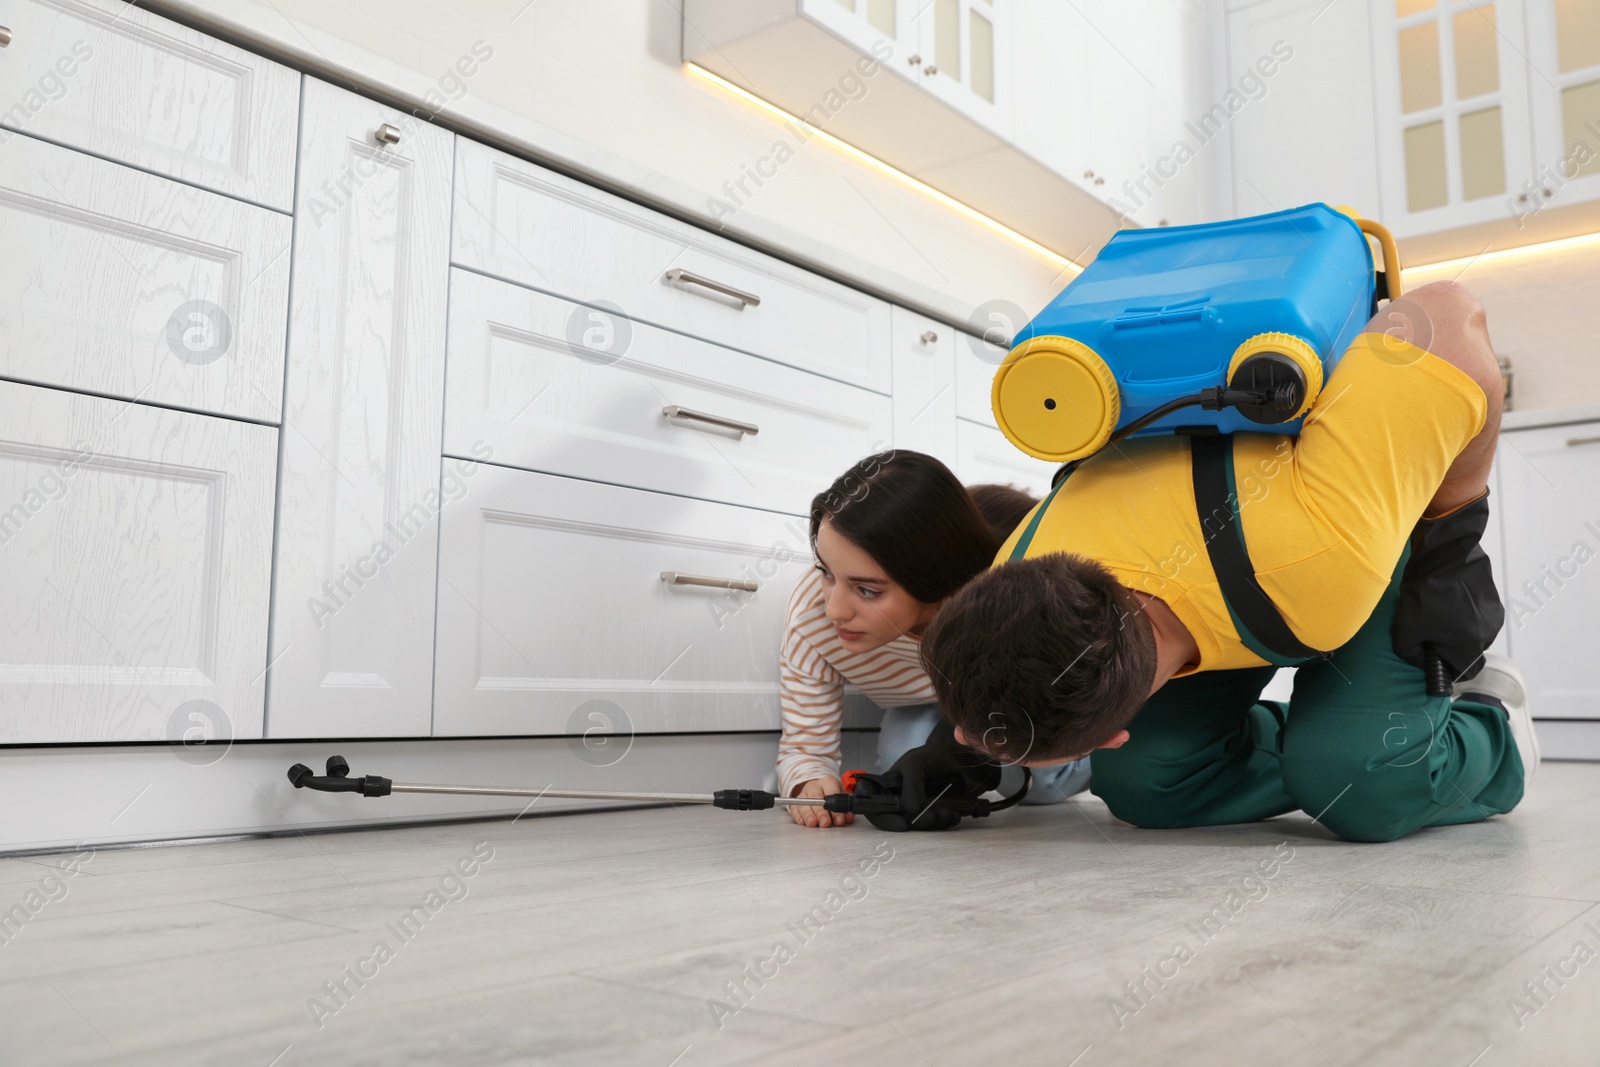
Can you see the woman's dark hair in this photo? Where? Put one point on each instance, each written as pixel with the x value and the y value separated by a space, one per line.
pixel 1003 506
pixel 1041 658
pixel 908 512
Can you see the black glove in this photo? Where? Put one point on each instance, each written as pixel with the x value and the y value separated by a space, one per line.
pixel 941 769
pixel 1448 601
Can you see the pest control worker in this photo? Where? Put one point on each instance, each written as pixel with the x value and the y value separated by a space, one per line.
pixel 1143 605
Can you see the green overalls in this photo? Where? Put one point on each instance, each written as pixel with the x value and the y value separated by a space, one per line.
pixel 1361 746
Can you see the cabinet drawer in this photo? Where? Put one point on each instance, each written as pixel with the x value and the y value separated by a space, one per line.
pixel 521 222
pixel 523 381
pixel 115 80
pixel 122 283
pixel 986 456
pixel 135 557
pixel 552 607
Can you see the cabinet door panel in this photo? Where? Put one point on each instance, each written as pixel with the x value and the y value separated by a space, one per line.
pixel 121 283
pixel 352 637
pixel 544 384
pixel 551 598
pixel 986 456
pixel 134 570
pixel 976 361
pixel 531 226
pixel 1340 164
pixel 925 385
pixel 1454 126
pixel 1549 479
pixel 110 78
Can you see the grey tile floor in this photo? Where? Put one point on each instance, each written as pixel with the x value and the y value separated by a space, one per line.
pixel 691 937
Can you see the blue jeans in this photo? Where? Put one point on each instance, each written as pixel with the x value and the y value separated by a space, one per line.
pixel 906 728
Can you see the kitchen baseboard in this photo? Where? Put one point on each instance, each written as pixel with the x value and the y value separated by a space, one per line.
pixel 71 796
pixel 1567 739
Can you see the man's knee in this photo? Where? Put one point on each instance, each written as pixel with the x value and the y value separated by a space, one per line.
pixel 1147 792
pixel 1356 796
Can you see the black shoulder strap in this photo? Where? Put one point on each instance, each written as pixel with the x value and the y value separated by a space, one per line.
pixel 1224 536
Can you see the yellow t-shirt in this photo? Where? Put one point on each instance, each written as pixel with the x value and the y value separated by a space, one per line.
pixel 1325 515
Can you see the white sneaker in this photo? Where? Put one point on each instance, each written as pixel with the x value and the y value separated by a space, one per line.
pixel 1502 679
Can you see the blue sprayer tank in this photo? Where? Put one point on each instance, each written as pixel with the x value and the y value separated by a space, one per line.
pixel 1162 314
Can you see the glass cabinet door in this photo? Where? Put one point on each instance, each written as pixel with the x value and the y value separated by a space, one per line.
pixel 1564 81
pixel 870 25
pixel 1453 120
pixel 965 52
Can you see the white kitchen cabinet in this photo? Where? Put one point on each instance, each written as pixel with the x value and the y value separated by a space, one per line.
pixel 959 51
pixel 869 73
pixel 352 633
pixel 1549 482
pixel 1564 87
pixel 526 224
pixel 1104 89
pixel 984 455
pixel 135 562
pixel 977 359
pixel 925 385
pixel 965 51
pixel 544 384
pixel 553 603
pixel 1319 56
pixel 1453 117
pixel 125 284
pixel 114 80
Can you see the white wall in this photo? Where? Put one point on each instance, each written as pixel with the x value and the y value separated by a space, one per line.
pixel 1543 314
pixel 599 85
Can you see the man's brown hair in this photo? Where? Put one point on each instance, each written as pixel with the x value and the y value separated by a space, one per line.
pixel 1041 658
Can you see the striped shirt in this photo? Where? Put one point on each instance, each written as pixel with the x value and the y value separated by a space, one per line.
pixel 814 667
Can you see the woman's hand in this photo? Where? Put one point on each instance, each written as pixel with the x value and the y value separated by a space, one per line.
pixel 806 815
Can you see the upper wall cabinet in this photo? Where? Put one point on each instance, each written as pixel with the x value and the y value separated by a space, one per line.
pixel 1564 86
pixel 528 225
pixel 1110 94
pixel 958 50
pixel 122 283
pixel 109 78
pixel 1297 50
pixel 1453 116
pixel 359 494
pixel 930 86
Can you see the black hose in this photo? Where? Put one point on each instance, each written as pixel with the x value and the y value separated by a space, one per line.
pixel 1015 798
pixel 1161 412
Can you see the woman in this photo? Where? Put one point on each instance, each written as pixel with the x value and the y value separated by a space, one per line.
pixel 894 536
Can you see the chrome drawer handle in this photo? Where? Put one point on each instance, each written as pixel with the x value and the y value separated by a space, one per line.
pixel 680 276
pixel 1574 442
pixel 386 134
pixel 674 412
pixel 5 36
pixel 674 578
pixel 929 337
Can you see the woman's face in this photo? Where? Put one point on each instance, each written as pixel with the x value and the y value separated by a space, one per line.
pixel 867 608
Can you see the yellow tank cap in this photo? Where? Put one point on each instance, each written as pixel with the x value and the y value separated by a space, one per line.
pixel 1286 344
pixel 1055 399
